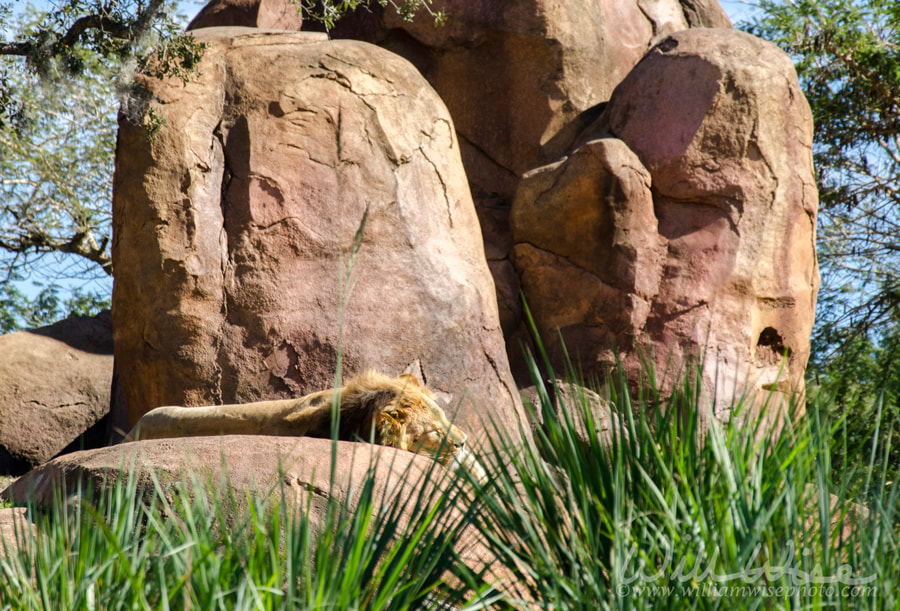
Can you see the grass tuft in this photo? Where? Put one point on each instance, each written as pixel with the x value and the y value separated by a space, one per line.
pixel 681 511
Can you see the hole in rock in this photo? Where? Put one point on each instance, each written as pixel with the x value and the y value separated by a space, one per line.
pixel 771 339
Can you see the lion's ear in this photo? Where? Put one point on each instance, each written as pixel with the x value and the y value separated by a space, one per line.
pixel 390 431
pixel 410 379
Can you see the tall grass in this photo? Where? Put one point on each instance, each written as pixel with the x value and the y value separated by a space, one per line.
pixel 666 513
pixel 671 513
pixel 190 548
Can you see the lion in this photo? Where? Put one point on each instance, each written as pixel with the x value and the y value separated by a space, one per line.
pixel 395 412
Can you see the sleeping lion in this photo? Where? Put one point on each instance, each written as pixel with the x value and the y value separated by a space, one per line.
pixel 395 412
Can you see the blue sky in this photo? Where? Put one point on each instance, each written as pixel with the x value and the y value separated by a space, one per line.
pixel 738 10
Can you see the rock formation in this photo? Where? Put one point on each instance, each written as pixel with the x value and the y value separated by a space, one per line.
pixel 589 250
pixel 519 78
pixel 686 219
pixel 54 385
pixel 269 14
pixel 303 202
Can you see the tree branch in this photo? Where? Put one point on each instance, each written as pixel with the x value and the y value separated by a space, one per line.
pixel 872 78
pixel 82 243
pixel 110 27
pixel 16 48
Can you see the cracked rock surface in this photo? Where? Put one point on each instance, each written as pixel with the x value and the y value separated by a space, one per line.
pixel 234 229
pixel 521 78
pixel 685 219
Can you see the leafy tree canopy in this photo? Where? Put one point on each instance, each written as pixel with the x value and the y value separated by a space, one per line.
pixel 847 56
pixel 68 40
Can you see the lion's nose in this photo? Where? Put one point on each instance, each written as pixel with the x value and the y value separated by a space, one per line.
pixel 461 443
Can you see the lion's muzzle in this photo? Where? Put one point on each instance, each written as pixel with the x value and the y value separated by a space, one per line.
pixel 464 459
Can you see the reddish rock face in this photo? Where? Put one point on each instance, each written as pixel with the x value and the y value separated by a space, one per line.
pixel 704 236
pixel 514 74
pixel 54 386
pixel 589 251
pixel 270 14
pixel 234 231
pixel 521 78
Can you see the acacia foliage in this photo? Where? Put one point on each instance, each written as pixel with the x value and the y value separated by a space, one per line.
pixel 56 171
pixel 63 72
pixel 847 56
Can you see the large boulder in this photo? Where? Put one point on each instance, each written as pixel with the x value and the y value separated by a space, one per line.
pixel 303 204
pixel 54 387
pixel 585 229
pixel 520 77
pixel 685 220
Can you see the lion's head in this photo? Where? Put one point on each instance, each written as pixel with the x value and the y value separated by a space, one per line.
pixel 405 415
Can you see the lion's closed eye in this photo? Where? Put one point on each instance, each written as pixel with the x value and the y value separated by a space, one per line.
pixel 434 441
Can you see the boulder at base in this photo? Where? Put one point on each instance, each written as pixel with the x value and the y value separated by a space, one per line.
pixel 259 465
pixel 303 199
pixel 54 386
pixel 686 220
